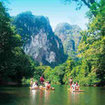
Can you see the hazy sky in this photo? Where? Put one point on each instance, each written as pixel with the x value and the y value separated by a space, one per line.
pixel 55 10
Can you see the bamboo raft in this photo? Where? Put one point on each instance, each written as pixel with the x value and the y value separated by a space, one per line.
pixel 41 88
pixel 72 90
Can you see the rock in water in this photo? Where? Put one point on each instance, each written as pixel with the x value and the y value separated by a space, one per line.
pixel 70 37
pixel 39 40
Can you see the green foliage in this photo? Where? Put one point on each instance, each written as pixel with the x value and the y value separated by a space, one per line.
pixel 14 64
pixel 90 68
pixel 39 71
pixel 25 81
pixel 92 46
pixel 88 3
pixel 60 74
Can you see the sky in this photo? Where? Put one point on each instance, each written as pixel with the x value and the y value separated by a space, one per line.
pixel 55 10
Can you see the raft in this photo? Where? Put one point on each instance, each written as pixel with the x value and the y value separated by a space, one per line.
pixel 42 88
pixel 33 88
pixel 71 90
pixel 78 91
pixel 52 88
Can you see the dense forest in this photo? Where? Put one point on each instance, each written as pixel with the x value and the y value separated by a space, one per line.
pixel 88 67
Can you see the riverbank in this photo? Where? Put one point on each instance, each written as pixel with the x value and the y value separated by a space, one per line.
pixel 20 84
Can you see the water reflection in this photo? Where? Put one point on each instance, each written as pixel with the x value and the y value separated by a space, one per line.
pixel 74 98
pixel 40 97
pixel 61 96
pixel 47 96
pixel 33 94
pixel 37 97
pixel 47 93
pixel 33 98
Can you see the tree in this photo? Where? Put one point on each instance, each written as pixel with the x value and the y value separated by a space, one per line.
pixel 14 64
pixel 92 47
pixel 88 3
pixel 91 4
pixel 8 39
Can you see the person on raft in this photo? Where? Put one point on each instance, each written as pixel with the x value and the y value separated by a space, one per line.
pixel 77 87
pixel 41 79
pixel 35 85
pixel 71 81
pixel 31 82
pixel 47 85
pixel 73 86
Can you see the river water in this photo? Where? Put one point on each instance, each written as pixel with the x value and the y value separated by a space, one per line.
pixel 60 96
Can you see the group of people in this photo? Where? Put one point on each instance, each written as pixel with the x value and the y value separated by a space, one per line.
pixel 74 86
pixel 34 85
pixel 47 85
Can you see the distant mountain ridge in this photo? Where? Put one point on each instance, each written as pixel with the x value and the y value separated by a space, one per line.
pixel 44 45
pixel 70 37
pixel 39 40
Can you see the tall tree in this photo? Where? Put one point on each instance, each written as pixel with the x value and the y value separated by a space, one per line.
pixel 92 46
pixel 14 64
pixel 88 3
pixel 8 39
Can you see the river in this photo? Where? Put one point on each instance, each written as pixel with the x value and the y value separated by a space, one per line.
pixel 60 96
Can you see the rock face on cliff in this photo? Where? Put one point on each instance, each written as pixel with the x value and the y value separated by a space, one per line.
pixel 39 40
pixel 70 37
